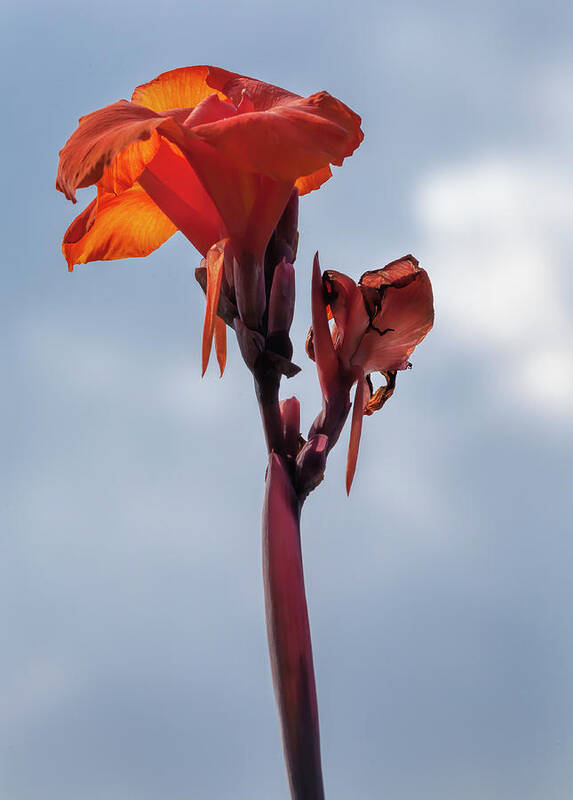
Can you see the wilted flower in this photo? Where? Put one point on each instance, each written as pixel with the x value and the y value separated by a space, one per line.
pixel 377 323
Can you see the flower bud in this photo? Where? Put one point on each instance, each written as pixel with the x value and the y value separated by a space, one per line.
pixel 286 232
pixel 251 343
pixel 249 283
pixel 311 463
pixel 281 301
pixel 290 416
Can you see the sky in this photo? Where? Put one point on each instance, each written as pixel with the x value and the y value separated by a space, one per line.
pixel 134 651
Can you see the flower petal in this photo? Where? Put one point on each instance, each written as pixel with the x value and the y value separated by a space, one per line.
pixel 405 317
pixel 128 165
pixel 99 137
pixel 309 183
pixel 323 348
pixel 250 205
pixel 111 227
pixel 221 343
pixel 350 315
pixel 211 109
pixel 291 140
pixel 396 273
pixel 214 262
pixel 355 430
pixel 263 95
pixel 175 187
pixel 177 88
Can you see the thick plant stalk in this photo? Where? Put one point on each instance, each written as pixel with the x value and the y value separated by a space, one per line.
pixel 289 634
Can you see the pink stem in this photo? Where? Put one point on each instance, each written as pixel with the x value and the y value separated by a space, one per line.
pixel 289 634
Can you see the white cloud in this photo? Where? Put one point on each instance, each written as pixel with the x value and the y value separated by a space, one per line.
pixel 497 235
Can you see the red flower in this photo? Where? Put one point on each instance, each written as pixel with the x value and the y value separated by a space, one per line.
pixel 206 151
pixel 377 324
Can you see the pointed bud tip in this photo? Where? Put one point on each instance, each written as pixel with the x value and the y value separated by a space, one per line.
pixel 349 481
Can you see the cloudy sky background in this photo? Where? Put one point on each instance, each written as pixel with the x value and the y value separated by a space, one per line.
pixel 134 653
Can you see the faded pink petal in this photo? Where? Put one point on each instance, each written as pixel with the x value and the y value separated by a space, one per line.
pixel 325 356
pixel 405 317
pixel 350 315
pixel 356 429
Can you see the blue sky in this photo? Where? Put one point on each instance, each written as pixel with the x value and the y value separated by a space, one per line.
pixel 135 661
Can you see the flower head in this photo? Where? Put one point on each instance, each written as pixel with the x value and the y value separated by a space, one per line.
pixel 377 323
pixel 206 151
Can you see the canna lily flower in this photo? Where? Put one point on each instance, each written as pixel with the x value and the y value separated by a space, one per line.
pixel 377 323
pixel 211 153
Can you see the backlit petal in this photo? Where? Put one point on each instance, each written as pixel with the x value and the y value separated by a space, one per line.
pixel 309 183
pixel 178 88
pixel 128 165
pixel 111 227
pixel 100 136
pixel 174 186
pixel 249 204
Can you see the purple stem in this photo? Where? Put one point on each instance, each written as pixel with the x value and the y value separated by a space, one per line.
pixel 289 634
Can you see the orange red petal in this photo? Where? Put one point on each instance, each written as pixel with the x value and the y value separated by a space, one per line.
pixel 248 203
pixel 291 140
pixel 129 225
pixel 178 88
pixel 242 145
pixel 128 165
pixel 174 186
pixel 263 95
pixel 221 343
pixel 100 136
pixel 309 183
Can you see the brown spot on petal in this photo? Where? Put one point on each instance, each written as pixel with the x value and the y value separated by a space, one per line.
pixel 382 394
